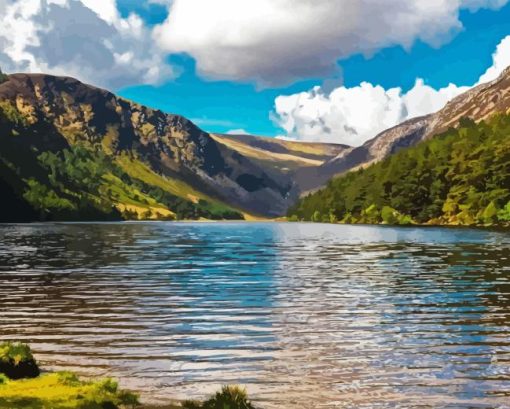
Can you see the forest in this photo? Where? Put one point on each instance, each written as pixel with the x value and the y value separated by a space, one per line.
pixel 460 177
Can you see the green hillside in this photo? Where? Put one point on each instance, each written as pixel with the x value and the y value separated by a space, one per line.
pixel 461 177
pixel 82 181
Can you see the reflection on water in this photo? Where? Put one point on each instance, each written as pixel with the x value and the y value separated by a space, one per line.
pixel 316 316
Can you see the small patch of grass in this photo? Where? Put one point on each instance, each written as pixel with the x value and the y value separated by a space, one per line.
pixel 64 390
pixel 230 397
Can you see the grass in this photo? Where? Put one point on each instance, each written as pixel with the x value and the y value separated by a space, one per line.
pixel 230 397
pixel 22 386
pixel 63 390
pixel 266 156
pixel 129 199
pixel 139 170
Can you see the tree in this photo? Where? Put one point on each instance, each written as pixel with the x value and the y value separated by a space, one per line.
pixel 3 77
pixel 504 214
pixel 490 214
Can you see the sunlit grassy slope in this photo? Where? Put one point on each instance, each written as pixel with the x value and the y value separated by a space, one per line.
pixel 280 154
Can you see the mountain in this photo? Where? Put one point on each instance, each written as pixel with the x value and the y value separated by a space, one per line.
pixel 478 104
pixel 284 156
pixel 459 177
pixel 71 151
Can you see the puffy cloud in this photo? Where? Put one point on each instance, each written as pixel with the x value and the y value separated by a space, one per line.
pixel 87 39
pixel 355 115
pixel 277 41
pixel 501 60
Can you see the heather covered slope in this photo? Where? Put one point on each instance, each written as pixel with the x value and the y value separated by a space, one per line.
pixel 460 177
pixel 72 151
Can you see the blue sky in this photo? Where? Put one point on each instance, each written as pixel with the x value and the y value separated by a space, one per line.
pixel 219 106
pixel 332 71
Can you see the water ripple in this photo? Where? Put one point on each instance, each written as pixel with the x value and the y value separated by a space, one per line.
pixel 306 316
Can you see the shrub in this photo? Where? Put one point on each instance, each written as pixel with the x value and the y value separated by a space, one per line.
pixel 317 218
pixel 230 397
pixel 389 215
pixel 17 361
pixel 490 214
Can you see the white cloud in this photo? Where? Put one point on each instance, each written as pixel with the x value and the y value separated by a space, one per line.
pixel 87 39
pixel 355 115
pixel 278 41
pixel 500 61
pixel 239 131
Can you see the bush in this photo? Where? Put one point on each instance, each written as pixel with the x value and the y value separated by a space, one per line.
pixel 389 215
pixel 490 214
pixel 230 397
pixel 17 361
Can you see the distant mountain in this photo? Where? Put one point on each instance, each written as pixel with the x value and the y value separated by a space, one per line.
pixel 477 104
pixel 72 151
pixel 285 155
pixel 455 170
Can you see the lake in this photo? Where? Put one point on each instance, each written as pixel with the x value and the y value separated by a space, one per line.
pixel 304 315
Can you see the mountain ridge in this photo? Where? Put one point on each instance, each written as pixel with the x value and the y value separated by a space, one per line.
pixel 244 173
pixel 477 103
pixel 51 113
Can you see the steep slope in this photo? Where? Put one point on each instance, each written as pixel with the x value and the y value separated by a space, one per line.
pixel 43 113
pixel 460 177
pixel 477 104
pixel 282 160
pixel 284 155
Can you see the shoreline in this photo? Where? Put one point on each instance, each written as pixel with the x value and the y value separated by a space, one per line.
pixel 260 221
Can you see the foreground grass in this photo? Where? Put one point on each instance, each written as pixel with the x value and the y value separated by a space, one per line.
pixel 63 390
pixel 22 387
pixel 230 397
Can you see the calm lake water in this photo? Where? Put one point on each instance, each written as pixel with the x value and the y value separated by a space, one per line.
pixel 304 315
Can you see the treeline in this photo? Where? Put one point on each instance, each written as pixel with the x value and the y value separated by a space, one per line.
pixel 461 177
pixel 92 172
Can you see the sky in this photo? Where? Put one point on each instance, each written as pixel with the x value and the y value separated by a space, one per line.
pixel 311 70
